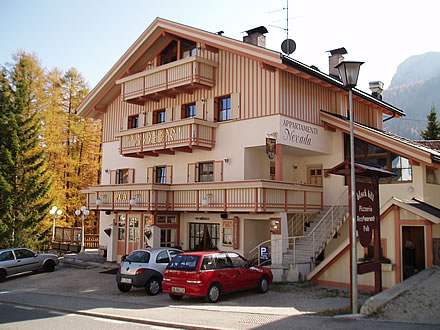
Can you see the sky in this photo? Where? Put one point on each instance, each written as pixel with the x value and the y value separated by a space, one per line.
pixel 91 35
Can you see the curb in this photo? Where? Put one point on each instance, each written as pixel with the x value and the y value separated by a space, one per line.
pixel 376 302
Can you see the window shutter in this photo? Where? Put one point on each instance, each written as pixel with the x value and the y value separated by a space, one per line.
pixel 149 118
pixel 124 123
pixel 113 177
pixel 150 175
pixel 169 174
pixel 169 114
pixel 210 110
pixel 192 172
pixel 177 112
pixel 218 170
pixel 200 110
pixel 235 106
pixel 131 175
pixel 142 119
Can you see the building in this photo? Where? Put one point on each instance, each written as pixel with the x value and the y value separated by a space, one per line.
pixel 214 143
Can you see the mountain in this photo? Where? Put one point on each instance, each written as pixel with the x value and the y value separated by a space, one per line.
pixel 415 88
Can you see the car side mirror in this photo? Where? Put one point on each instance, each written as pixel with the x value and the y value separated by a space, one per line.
pixel 124 257
pixel 35 255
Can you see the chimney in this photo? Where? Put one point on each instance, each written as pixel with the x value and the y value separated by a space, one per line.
pixel 336 57
pixel 256 36
pixel 376 88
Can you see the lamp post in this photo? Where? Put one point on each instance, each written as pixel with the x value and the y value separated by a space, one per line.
pixel 54 211
pixel 349 73
pixel 85 213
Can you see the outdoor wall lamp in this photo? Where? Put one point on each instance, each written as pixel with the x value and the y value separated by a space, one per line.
pixel 132 201
pixel 349 73
pixel 98 202
pixel 85 213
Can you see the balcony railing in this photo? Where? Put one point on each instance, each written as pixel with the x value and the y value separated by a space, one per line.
pixel 175 77
pixel 242 196
pixel 187 134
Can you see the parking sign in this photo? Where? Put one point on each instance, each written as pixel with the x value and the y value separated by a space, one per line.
pixel 264 253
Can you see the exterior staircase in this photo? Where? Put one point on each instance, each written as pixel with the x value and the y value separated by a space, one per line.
pixel 306 248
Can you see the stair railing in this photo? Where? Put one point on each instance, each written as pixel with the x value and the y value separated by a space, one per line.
pixel 330 211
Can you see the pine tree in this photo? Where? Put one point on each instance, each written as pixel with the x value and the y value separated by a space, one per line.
pixel 25 190
pixel 432 131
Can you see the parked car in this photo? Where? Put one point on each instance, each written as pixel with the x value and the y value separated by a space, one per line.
pixel 210 274
pixel 20 260
pixel 144 268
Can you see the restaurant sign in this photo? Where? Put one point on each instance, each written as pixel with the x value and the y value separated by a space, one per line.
pixel 367 211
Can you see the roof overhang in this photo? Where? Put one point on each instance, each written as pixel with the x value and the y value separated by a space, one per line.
pixel 415 153
pixel 410 205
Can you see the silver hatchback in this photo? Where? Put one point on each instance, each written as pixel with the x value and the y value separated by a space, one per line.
pixel 144 268
pixel 20 260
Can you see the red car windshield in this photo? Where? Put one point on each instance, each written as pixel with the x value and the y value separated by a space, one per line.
pixel 184 262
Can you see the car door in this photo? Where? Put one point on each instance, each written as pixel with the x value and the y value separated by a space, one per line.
pixel 245 277
pixel 8 262
pixel 162 260
pixel 26 260
pixel 225 273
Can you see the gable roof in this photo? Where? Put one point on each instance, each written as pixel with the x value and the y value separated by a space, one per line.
pixel 387 140
pixel 418 207
pixel 157 34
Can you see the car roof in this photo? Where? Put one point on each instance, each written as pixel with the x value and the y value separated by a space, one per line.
pixel 204 253
pixel 158 249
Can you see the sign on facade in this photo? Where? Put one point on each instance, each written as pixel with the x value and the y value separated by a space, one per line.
pixel 264 253
pixel 367 211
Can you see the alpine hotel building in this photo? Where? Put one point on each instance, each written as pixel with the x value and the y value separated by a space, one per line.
pixel 214 143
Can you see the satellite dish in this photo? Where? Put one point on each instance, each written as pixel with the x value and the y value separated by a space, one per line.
pixel 288 46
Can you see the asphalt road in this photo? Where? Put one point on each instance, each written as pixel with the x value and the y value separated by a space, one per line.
pixel 76 298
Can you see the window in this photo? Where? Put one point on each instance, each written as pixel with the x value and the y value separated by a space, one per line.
pixel 166 219
pixel 159 116
pixel 189 110
pixel 162 258
pixel 168 237
pixel 160 174
pixel 23 253
pixel 133 121
pixel 187 49
pixel 223 261
pixel 223 108
pixel 139 256
pixel 206 172
pixel 121 227
pixel 133 229
pixel 169 54
pixel 204 236
pixel 184 262
pixel 370 154
pixel 6 256
pixel 237 261
pixel 207 263
pixel 432 175
pixel 122 176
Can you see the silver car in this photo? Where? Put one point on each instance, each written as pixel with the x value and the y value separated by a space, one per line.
pixel 19 260
pixel 144 268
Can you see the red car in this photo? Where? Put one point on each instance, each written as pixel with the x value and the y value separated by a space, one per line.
pixel 209 274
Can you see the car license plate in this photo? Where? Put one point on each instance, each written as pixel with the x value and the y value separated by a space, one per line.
pixel 177 290
pixel 126 280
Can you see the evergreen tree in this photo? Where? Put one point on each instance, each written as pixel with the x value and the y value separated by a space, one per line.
pixel 25 183
pixel 432 131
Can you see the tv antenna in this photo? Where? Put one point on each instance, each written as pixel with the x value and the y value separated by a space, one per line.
pixel 288 46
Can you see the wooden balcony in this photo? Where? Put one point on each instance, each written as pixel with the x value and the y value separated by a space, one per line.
pixel 256 196
pixel 183 76
pixel 185 135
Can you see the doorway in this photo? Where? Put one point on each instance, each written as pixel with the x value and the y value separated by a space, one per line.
pixel 204 236
pixel 413 250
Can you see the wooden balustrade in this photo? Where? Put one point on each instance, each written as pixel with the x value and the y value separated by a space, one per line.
pixel 244 196
pixel 176 77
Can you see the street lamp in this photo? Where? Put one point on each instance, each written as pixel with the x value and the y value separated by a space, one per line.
pixel 349 73
pixel 55 211
pixel 85 213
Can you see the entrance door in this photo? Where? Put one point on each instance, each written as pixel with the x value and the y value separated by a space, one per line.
pixel 413 250
pixel 315 176
pixel 204 236
pixel 133 232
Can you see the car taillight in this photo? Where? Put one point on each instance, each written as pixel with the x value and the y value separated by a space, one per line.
pixel 139 271
pixel 166 279
pixel 194 281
